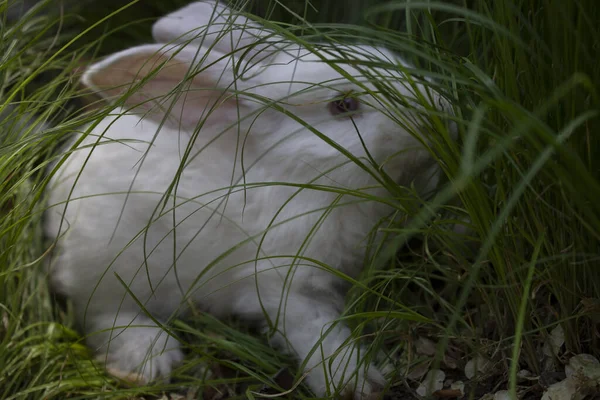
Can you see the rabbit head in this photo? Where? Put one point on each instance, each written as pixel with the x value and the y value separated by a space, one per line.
pixel 219 71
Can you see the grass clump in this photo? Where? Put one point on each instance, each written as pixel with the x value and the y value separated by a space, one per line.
pixel 524 175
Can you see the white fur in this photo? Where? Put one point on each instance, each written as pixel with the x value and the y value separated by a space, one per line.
pixel 118 222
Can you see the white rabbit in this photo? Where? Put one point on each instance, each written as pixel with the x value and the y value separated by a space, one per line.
pixel 217 227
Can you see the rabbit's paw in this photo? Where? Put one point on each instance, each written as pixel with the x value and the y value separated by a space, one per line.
pixel 345 380
pixel 140 355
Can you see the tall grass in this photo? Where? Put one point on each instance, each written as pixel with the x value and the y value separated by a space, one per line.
pixel 523 78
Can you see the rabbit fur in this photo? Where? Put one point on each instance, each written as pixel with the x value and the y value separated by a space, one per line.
pixel 178 194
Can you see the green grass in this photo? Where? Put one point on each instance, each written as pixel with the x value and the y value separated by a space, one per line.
pixel 524 78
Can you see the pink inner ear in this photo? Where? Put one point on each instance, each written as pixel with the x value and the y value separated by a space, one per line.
pixel 193 99
pixel 118 76
pixel 197 101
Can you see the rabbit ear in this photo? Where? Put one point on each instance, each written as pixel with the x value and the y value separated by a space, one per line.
pixel 209 23
pixel 167 82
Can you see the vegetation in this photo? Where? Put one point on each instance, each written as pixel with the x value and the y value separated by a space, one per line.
pixel 523 77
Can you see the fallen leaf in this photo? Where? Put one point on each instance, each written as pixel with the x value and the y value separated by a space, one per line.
pixel 434 381
pixel 524 375
pixel 503 395
pixel 554 342
pixel 585 367
pixel 417 372
pixel 450 362
pixel 563 390
pixel 460 386
pixel 478 365
pixel 425 346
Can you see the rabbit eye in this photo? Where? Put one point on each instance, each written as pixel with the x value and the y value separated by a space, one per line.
pixel 344 105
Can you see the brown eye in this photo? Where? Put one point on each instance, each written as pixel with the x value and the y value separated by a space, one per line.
pixel 344 105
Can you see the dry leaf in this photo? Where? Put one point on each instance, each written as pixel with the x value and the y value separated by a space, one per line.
pixel 417 372
pixel 563 390
pixel 554 342
pixel 585 367
pixel 460 386
pixel 450 362
pixel 503 395
pixel 477 366
pixel 425 346
pixel 434 381
pixel 524 375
